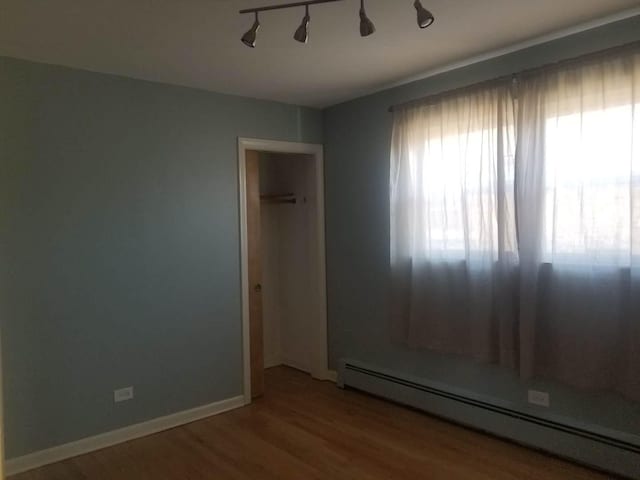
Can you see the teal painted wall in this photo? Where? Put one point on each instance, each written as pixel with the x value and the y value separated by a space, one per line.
pixel 120 246
pixel 357 144
pixel 119 231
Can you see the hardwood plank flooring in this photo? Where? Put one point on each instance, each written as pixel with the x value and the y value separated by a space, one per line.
pixel 304 429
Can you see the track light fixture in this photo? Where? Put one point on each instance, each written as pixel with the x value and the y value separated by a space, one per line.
pixel 302 33
pixel 366 25
pixel 424 16
pixel 249 38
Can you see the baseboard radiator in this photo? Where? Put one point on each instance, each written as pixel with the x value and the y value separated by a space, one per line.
pixel 592 447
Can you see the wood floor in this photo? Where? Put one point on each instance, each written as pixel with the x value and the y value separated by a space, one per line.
pixel 304 429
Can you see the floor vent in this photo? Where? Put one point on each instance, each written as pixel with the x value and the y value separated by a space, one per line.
pixel 596 447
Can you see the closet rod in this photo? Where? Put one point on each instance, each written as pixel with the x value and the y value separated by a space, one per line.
pixel 279 198
pixel 523 73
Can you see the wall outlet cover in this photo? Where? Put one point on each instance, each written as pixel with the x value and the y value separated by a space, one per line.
pixel 539 398
pixel 123 394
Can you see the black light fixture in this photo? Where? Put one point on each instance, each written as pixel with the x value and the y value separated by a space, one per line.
pixel 249 38
pixel 425 17
pixel 366 25
pixel 302 33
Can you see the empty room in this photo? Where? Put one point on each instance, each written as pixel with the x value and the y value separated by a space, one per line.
pixel 321 239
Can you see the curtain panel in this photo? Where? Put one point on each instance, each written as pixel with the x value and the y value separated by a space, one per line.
pixel 515 224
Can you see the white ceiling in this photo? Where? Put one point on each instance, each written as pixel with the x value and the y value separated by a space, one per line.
pixel 197 42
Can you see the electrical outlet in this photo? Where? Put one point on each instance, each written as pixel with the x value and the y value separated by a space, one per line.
pixel 123 394
pixel 538 398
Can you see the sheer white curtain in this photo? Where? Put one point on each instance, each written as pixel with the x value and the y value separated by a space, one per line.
pixel 453 243
pixel 579 222
pixel 525 252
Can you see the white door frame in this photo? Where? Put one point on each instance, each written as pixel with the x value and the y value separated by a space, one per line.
pixel 319 364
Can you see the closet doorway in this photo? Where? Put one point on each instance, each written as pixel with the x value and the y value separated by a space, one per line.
pixel 284 313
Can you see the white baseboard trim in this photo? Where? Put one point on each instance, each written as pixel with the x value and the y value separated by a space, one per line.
pixel 324 375
pixel 108 439
pixel 295 365
pixel 272 362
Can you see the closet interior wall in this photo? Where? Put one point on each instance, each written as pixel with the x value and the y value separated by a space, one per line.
pixel 289 272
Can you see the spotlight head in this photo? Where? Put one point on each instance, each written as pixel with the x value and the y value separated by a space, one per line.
pixel 366 25
pixel 302 32
pixel 249 38
pixel 425 17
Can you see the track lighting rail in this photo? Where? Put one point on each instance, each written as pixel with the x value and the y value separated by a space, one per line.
pixel 287 5
pixel 424 17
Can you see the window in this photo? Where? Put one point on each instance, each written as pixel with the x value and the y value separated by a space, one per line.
pixel 455 185
pixel 558 163
pixel 591 184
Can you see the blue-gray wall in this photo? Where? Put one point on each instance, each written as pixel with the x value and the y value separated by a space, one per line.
pixel 120 247
pixel 357 142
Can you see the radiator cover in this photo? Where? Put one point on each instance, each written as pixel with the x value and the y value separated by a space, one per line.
pixel 595 447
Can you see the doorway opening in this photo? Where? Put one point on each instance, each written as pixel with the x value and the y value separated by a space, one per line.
pixel 283 259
